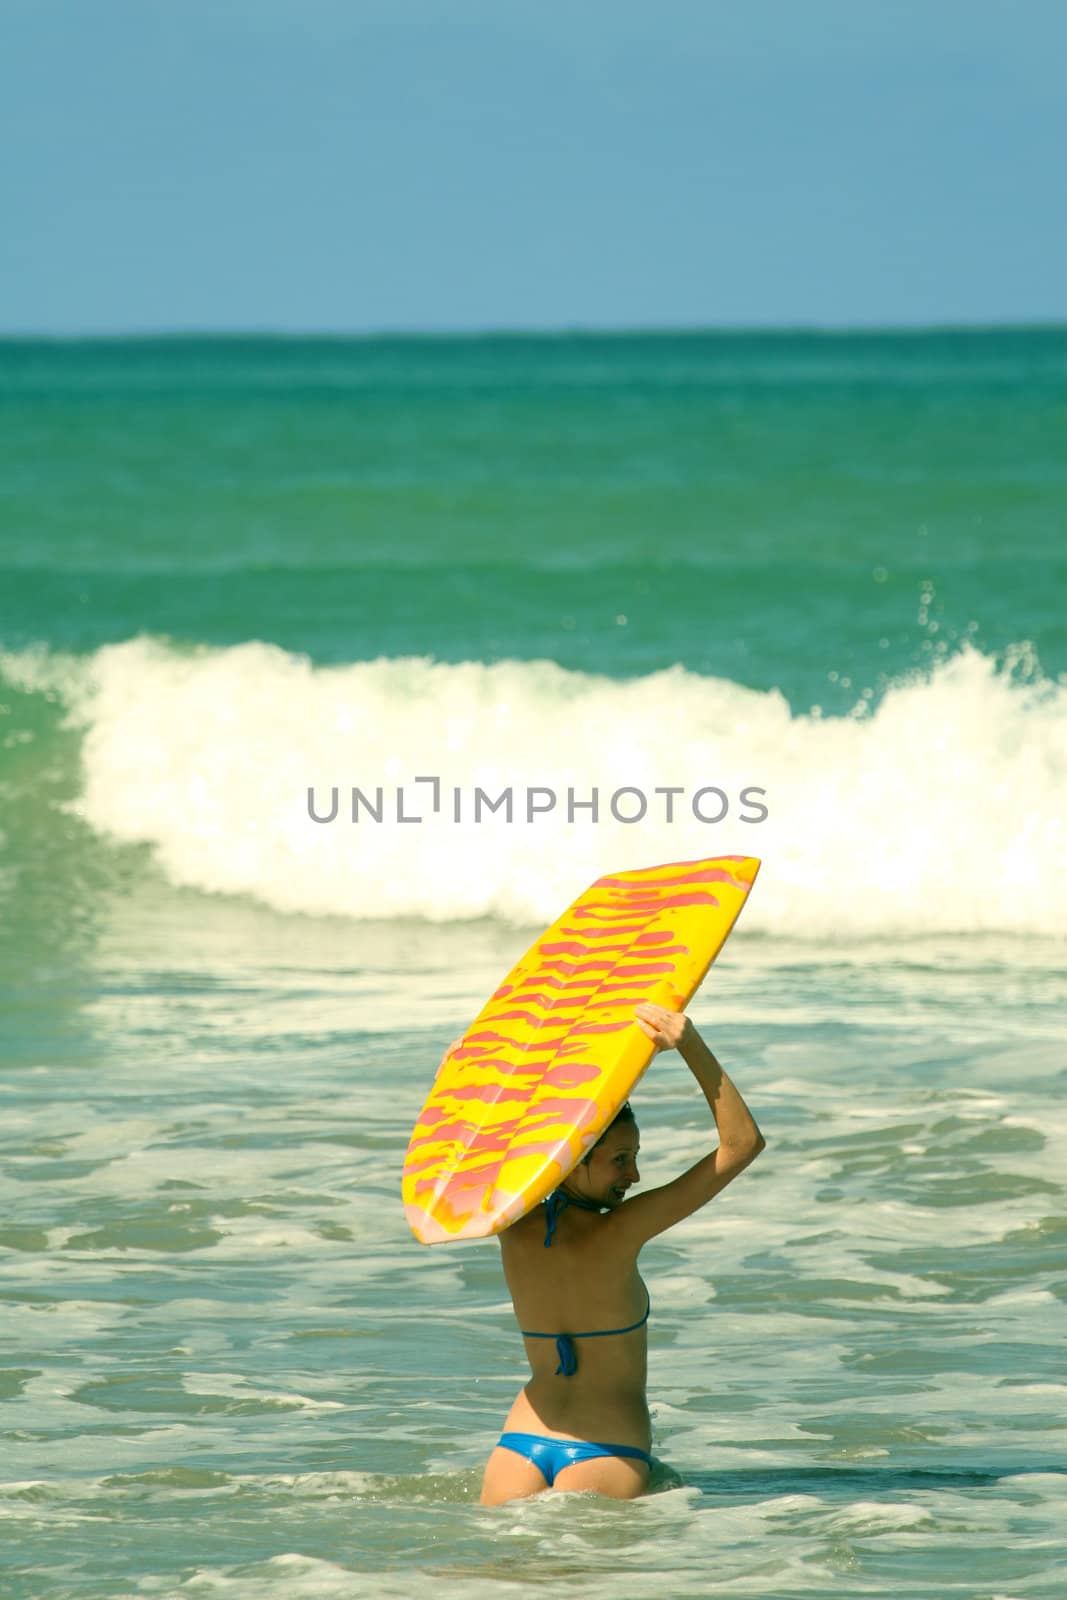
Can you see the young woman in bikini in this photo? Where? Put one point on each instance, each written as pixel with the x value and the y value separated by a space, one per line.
pixel 571 1267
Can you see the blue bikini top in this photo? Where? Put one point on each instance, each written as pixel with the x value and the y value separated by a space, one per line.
pixel 568 1359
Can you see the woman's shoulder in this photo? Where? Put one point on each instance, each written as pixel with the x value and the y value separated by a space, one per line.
pixel 525 1230
pixel 582 1235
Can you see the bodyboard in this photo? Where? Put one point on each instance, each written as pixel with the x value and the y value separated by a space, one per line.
pixel 556 1049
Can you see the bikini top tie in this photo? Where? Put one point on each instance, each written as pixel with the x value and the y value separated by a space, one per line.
pixel 558 1201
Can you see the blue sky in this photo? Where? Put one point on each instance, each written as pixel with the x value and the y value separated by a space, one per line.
pixel 353 165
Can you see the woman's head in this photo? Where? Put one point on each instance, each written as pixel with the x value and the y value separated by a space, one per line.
pixel 624 1116
pixel 609 1168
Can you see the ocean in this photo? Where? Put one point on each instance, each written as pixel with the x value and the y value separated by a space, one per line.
pixel 330 671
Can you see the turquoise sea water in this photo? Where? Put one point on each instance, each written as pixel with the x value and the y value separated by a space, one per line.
pixel 831 569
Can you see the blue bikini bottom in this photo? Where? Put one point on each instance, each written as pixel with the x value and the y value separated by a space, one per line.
pixel 550 1456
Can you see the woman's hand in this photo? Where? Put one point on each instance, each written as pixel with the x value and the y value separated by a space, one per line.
pixel 452 1047
pixel 666 1029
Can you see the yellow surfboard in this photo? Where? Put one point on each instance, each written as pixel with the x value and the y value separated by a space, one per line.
pixel 556 1050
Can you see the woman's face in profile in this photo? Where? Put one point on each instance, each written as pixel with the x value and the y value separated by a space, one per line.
pixel 612 1167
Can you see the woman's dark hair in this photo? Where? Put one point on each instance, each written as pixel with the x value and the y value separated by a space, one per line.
pixel 625 1113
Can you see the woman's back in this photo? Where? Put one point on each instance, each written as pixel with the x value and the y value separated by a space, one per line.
pixel 585 1286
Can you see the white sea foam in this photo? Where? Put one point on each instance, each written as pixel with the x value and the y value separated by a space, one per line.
pixel 234 1386
pixel 943 804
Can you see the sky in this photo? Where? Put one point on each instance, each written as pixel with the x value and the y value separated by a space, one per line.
pixel 403 165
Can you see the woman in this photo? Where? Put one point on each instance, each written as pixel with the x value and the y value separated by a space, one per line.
pixel 571 1267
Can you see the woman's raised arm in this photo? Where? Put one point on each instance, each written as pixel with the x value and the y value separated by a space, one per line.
pixel 740 1140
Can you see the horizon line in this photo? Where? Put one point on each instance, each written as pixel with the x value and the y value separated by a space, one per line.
pixel 548 331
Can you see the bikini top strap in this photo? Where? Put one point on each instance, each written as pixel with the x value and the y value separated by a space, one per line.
pixel 553 1206
pixel 594 1333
